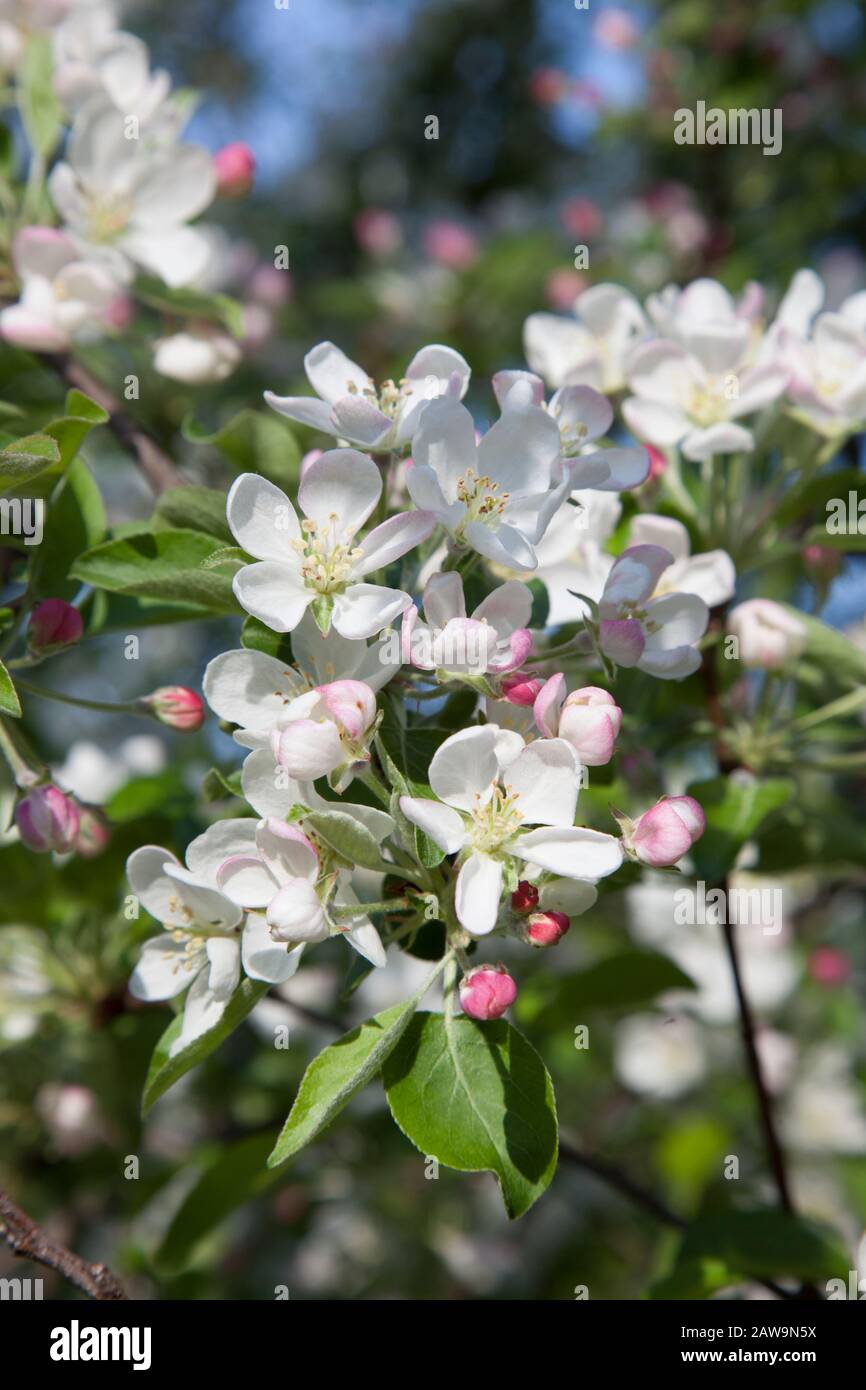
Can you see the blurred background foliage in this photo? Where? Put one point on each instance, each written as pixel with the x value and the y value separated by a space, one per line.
pixel 555 131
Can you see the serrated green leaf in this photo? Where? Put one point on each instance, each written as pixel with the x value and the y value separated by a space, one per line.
pixel 26 458
pixel 193 509
pixel 9 702
pixel 478 1098
pixel 70 430
pixel 164 565
pixel 337 1074
pixel 165 1070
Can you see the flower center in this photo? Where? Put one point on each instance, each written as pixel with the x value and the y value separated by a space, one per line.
pixel 107 216
pixel 327 558
pixel 707 404
pixel 572 436
pixel 496 821
pixel 387 398
pixel 481 497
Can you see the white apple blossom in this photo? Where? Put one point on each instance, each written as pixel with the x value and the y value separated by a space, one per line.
pixel 658 1056
pixel 592 350
pixel 637 628
pixel 315 561
pixel 271 792
pixel 61 292
pixel 827 370
pixel 128 201
pixel 349 404
pixel 571 558
pixel 92 57
pixel 326 732
pixel 769 637
pixel 280 876
pixel 491 786
pixel 200 354
pixel 493 641
pixel 21 18
pixel 582 416
pixel 497 496
pixel 711 574
pixel 824 1111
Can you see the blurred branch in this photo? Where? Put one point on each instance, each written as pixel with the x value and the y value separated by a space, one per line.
pixel 30 1242
pixel 151 458
pixel 623 1184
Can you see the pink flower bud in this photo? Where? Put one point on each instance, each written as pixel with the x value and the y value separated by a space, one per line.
pixel 54 624
pixel 658 462
pixel 829 966
pixel 351 704
pixel 520 689
pixel 270 286
pixel 821 563
pixel 487 991
pixel 667 831
pixel 547 928
pixel 176 706
pixel 562 287
pixel 47 819
pixel 94 833
pixel 525 897
pixel 377 232
pixel 449 244
pixel 769 636
pixel 234 166
pixel 591 720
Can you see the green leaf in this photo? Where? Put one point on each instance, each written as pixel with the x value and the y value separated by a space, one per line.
pixel 347 836
pixel 830 649
pixel 26 459
pixel 254 442
pixel 9 702
pixel 40 110
pixel 851 542
pixel 754 1243
pixel 540 603
pixel 193 509
pixel 735 807
pixel 217 308
pixel 259 638
pixel 163 565
pixel 70 430
pixel 234 1176
pixel 164 1070
pixel 478 1098
pixel 338 1073
pixel 74 521
pixel 218 785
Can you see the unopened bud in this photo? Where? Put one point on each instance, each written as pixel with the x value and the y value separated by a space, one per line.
pixel 525 897
pixel 821 563
pixel 234 166
pixel 520 689
pixel 176 706
pixel 47 819
pixel 547 928
pixel 53 625
pixel 487 991
pixel 94 832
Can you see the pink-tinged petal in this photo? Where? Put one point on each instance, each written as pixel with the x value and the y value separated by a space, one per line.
pixel 622 640
pixel 662 531
pixel 635 575
pixel 351 704
pixel 41 251
pixel 692 814
pixel 261 518
pixel 392 539
pixel 487 992
pixel 286 851
pixel 308 748
pixel 626 468
pixel 26 329
pixel 333 375
pixel 476 897
pixel 591 732
pixel 581 405
pixel 441 823
pixel 520 648
pixel 441 362
pixel 339 492
pixel 662 835
pixel 547 705
pixel 358 420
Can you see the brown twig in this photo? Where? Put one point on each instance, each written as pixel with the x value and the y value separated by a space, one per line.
pixel 151 458
pixel 30 1242
pixel 622 1183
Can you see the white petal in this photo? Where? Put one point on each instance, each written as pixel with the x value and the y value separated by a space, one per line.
pixel 225 965
pixel 682 619
pixel 568 895
pixel 249 688
pixel 246 880
pixel 145 869
pixel 274 593
pixel 262 519
pixel 202 1011
pixel 164 969
pixel 364 609
pixel 572 851
pixel 286 851
pixel 465 766
pixel 207 905
pixel 718 439
pixel 307 410
pixel 332 374
pixel 441 823
pixel 266 786
pixel 476 897
pixel 176 186
pixel 265 959
pixel 545 777
pixel 339 491
pixel 666 531
pixel 506 608
pixel 207 852
pixel 392 539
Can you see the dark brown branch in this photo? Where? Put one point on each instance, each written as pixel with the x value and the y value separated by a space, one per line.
pixel 30 1242
pixel 762 1095
pixel 151 458
pixel 622 1183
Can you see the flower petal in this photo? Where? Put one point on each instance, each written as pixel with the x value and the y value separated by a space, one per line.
pixel 441 823
pixel 261 518
pixel 364 609
pixel 274 593
pixel 572 851
pixel 465 766
pixel 264 959
pixel 339 491
pixel 545 779
pixel 476 897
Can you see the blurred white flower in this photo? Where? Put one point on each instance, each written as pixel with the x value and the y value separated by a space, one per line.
pixel 199 355
pixel 658 1056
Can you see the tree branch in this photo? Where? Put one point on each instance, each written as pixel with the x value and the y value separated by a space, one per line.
pixel 30 1242
pixel 151 458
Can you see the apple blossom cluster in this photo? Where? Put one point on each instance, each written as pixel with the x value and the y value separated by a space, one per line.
pixel 124 192
pixel 399 575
